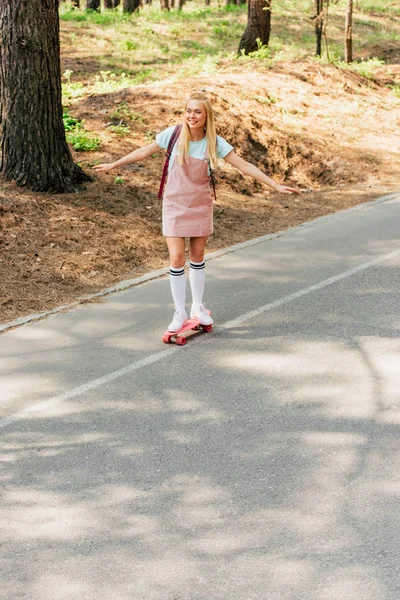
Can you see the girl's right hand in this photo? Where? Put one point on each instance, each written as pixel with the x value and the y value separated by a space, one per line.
pixel 103 168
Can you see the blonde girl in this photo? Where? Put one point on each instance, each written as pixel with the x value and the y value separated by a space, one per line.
pixel 187 201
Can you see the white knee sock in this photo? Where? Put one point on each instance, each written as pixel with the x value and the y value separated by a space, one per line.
pixel 197 276
pixel 177 280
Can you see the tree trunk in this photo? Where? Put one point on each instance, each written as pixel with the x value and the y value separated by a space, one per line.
pixel 348 46
pixel 129 6
pixel 111 3
pixel 91 4
pixel 258 26
pixel 319 24
pixel 164 4
pixel 34 151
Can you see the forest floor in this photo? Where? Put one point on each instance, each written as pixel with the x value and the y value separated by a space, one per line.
pixel 330 131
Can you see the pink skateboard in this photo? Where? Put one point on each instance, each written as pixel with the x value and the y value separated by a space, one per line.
pixel 193 324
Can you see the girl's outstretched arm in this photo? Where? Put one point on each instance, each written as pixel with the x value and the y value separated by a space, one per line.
pixel 248 169
pixel 135 156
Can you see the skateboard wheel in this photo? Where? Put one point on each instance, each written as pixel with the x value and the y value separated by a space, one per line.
pixel 166 339
pixel 181 341
pixel 207 328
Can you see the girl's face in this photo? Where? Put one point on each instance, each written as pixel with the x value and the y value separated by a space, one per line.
pixel 195 115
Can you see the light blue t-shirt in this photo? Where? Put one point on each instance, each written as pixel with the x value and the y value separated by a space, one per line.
pixel 196 149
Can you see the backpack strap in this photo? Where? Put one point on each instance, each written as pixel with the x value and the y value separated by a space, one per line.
pixel 212 178
pixel 171 144
pixel 213 185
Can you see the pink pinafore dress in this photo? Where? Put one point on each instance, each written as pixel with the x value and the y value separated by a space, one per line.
pixel 187 201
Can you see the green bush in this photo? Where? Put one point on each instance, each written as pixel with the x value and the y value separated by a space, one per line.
pixel 76 135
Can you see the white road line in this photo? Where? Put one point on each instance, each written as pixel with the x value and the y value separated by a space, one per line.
pixel 90 385
pixel 308 290
pixel 153 358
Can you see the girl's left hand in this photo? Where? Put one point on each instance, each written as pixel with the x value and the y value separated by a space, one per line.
pixel 284 189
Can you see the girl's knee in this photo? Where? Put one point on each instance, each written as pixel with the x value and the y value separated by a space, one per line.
pixel 197 257
pixel 177 261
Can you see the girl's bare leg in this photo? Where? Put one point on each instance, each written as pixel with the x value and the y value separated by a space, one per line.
pixel 177 254
pixel 197 248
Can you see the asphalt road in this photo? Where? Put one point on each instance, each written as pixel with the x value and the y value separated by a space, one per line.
pixel 258 462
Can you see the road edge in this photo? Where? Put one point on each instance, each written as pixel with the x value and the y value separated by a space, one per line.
pixel 129 283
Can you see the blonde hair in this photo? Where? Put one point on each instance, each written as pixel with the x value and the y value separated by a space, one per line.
pixel 211 134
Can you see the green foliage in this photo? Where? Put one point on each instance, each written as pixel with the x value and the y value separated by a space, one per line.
pixel 262 52
pixel 129 45
pixel 200 64
pixel 366 68
pixel 70 123
pixel 83 141
pixel 124 112
pixel 76 135
pixel 71 90
pixel 105 17
pixel 108 82
pixel 396 90
pixel 266 99
pixel 121 129
pixel 119 179
pixel 234 8
pixel 376 7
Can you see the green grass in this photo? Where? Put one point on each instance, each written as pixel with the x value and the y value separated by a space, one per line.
pixel 76 135
pixel 121 129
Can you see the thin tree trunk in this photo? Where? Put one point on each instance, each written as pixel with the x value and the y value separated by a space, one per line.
pixel 92 4
pixel 111 3
pixel 325 29
pixel 258 26
pixel 319 22
pixel 34 151
pixel 130 6
pixel 348 46
pixel 164 4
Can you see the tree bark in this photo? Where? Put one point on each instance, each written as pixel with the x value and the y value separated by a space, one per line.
pixel 348 46
pixel 34 151
pixel 111 3
pixel 319 24
pixel 258 25
pixel 129 6
pixel 92 4
pixel 164 4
